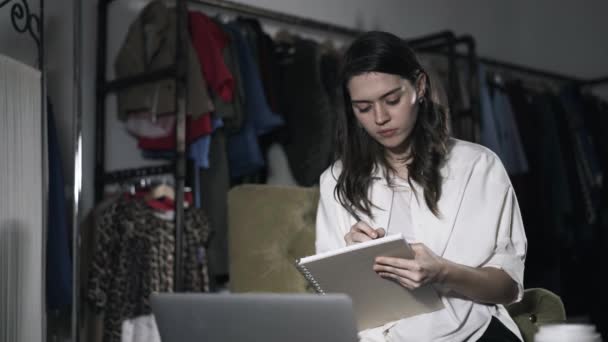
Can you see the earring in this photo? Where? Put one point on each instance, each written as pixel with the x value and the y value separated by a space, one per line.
pixel 421 100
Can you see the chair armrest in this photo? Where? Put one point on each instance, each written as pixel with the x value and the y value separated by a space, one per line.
pixel 539 306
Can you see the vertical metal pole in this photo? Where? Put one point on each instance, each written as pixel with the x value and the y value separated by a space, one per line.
pixel 100 96
pixel 45 165
pixel 77 116
pixel 180 136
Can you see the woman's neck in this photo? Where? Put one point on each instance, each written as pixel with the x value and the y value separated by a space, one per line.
pixel 399 163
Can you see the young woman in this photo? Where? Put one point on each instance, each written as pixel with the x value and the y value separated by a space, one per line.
pixel 398 171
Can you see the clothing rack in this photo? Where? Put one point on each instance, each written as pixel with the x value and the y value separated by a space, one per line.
pixel 451 43
pixel 120 175
pixel 105 88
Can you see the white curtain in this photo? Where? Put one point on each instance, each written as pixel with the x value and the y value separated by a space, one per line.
pixel 22 199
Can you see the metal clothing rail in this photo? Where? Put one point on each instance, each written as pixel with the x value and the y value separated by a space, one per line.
pixel 259 12
pixel 119 175
pixel 595 81
pixel 470 42
pixel 529 70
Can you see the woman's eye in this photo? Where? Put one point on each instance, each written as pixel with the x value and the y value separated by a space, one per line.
pixel 363 109
pixel 393 102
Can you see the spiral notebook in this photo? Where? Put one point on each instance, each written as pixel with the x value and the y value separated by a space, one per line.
pixel 376 300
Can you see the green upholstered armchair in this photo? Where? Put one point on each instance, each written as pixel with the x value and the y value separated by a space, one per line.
pixel 271 226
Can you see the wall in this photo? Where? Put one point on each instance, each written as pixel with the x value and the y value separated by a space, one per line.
pixel 564 37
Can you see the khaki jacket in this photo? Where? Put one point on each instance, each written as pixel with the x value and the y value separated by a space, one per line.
pixel 150 45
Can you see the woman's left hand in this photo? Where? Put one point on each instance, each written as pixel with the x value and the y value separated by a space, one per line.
pixel 426 267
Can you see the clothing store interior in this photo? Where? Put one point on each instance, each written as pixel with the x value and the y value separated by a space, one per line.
pixel 205 125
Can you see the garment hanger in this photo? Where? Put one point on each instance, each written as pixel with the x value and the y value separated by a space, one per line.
pixel 161 191
pixel 165 192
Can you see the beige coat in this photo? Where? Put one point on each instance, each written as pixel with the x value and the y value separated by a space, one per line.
pixel 150 45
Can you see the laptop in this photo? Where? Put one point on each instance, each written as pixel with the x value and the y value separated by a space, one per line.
pixel 263 317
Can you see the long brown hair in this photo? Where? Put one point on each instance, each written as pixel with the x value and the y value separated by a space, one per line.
pixel 360 154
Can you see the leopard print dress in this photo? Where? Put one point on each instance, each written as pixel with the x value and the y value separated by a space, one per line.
pixel 135 257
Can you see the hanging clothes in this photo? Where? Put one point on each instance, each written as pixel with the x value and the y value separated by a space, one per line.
pixel 231 112
pixel 513 155
pixel 279 172
pixel 150 45
pixel 534 188
pixel 209 41
pixel 199 154
pixel 213 190
pixel 140 329
pixel 266 60
pixel 489 136
pixel 195 128
pixel 588 169
pixel 499 130
pixel 135 252
pixel 244 154
pixel 146 125
pixel 308 111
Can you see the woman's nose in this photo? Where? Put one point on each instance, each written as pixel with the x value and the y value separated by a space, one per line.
pixel 381 115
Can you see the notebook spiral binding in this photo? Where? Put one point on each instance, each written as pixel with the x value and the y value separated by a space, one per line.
pixel 311 279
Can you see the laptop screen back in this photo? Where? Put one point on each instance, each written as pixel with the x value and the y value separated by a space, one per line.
pixel 197 317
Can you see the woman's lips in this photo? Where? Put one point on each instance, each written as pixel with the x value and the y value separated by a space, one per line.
pixel 386 133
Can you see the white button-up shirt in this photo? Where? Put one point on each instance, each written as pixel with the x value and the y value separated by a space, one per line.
pixel 400 220
pixel 479 225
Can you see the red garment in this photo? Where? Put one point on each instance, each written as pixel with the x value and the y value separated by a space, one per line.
pixel 161 204
pixel 195 128
pixel 167 204
pixel 209 40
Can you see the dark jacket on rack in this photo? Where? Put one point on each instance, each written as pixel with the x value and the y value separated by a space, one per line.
pixel 307 110
pixel 150 45
pixel 135 253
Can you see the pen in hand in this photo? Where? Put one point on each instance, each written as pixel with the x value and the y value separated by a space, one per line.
pixel 361 232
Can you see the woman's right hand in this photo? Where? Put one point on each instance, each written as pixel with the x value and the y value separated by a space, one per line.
pixel 361 232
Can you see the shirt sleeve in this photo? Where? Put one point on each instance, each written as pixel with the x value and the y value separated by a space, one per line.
pixel 511 244
pixel 328 225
